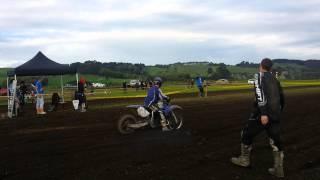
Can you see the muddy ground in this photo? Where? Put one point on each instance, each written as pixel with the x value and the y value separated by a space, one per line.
pixel 72 145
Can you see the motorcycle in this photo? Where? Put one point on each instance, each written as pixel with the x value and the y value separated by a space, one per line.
pixel 141 117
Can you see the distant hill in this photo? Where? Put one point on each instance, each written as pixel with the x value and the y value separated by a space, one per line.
pixel 288 61
pixel 308 63
pixel 298 69
pixel 312 63
pixel 116 72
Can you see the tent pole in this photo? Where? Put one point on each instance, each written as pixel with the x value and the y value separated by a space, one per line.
pixel 8 93
pixel 14 96
pixel 8 87
pixel 62 93
pixel 77 77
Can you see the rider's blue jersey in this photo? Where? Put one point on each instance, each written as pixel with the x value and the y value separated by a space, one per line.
pixel 154 95
pixel 199 81
pixel 39 89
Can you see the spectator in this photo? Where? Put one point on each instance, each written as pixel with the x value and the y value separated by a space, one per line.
pixel 150 84
pixel 40 96
pixel 124 86
pixel 80 95
pixel 142 85
pixel 146 84
pixel 55 99
pixel 199 83
pixel 205 85
pixel 23 91
pixel 192 83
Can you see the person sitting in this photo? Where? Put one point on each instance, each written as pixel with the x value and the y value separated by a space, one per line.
pixel 154 96
pixel 23 91
pixel 55 99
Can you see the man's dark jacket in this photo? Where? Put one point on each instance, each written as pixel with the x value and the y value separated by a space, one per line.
pixel 269 97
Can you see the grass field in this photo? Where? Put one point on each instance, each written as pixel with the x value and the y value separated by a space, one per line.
pixel 181 70
pixel 167 89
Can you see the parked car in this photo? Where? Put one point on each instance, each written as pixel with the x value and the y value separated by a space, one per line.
pixel 134 83
pixel 251 81
pixel 70 85
pixel 3 91
pixel 222 81
pixel 98 85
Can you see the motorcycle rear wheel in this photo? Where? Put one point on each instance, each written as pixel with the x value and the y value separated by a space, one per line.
pixel 122 124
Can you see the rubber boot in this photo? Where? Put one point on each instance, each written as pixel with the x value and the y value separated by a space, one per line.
pixel 83 107
pixel 277 169
pixel 163 123
pixel 244 159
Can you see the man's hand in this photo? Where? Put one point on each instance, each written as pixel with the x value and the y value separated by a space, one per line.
pixel 264 120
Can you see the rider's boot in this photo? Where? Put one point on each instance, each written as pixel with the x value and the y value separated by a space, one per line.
pixel 164 127
pixel 164 123
pixel 83 107
pixel 277 169
pixel 152 124
pixel 244 158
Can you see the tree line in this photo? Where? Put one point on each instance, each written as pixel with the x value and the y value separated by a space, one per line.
pixel 287 69
pixel 110 69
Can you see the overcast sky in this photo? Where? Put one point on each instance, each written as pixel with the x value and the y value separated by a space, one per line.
pixel 158 31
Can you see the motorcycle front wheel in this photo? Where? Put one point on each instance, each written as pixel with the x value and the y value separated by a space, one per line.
pixel 123 123
pixel 175 119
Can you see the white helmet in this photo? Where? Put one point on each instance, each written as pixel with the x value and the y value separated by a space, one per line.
pixel 157 81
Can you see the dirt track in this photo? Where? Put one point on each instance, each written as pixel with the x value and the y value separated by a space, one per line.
pixel 71 145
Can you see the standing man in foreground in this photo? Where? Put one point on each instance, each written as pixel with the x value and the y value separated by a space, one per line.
pixel 265 116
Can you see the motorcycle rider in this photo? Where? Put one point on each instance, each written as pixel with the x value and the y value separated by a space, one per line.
pixel 154 96
pixel 265 116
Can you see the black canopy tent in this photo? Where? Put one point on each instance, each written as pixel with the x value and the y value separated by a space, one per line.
pixel 41 65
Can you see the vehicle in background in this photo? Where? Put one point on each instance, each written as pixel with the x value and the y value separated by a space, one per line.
pixel 98 85
pixel 222 81
pixel 69 85
pixel 251 81
pixel 134 83
pixel 3 91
